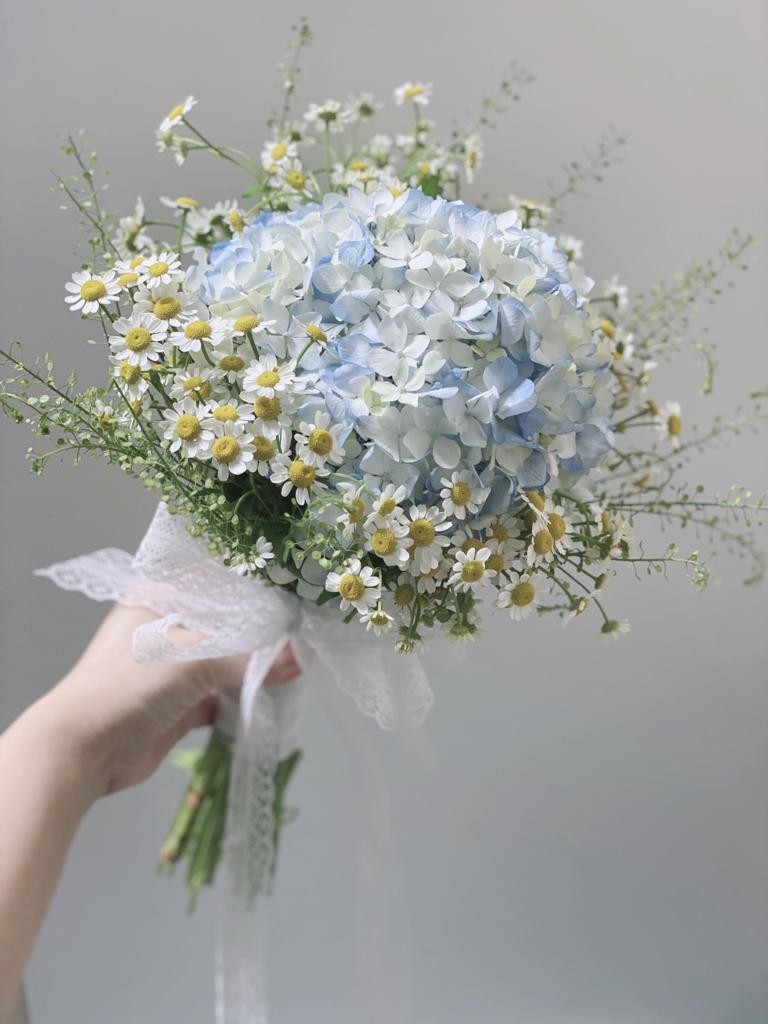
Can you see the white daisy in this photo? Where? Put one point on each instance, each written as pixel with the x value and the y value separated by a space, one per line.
pixel 559 526
pixel 614 629
pixel 520 597
pixel 227 412
pixel 669 422
pixel 356 499
pixel 424 530
pixel 503 535
pixel 541 549
pixel 89 292
pixel 229 361
pixel 330 114
pixel 232 449
pixel 266 376
pixel 318 442
pixel 176 115
pixel 460 497
pixel 196 382
pixel 293 473
pixel 249 323
pixel 275 152
pixel 257 558
pixel 160 268
pixel 415 92
pixel 132 382
pixel 191 335
pixel 470 570
pixel 388 505
pixel 377 620
pixel 167 302
pixel 264 451
pixel 186 431
pixel 273 417
pixel 389 542
pixel 356 585
pixel 139 339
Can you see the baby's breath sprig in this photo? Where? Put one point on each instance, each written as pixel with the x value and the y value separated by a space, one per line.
pixel 589 169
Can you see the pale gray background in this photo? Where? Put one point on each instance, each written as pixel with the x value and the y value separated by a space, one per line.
pixel 594 844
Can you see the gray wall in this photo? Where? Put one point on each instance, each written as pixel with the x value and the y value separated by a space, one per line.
pixel 590 843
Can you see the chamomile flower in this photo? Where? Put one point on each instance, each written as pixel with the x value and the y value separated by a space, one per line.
pixel 460 497
pixel 190 336
pixel 425 531
pixel 160 268
pixel 559 526
pixel 329 115
pixel 377 621
pixel 181 204
pixel 176 115
pixel 291 474
pixel 186 431
pixel 356 585
pixel 131 236
pixel 273 417
pixel 89 292
pixel 669 422
pixel 419 93
pixel 291 174
pixel 257 558
pixel 541 549
pixel 231 450
pixel 139 339
pixel 133 383
pixel 471 570
pixel 318 442
pixel 227 412
pixel 230 363
pixel 614 629
pixel 266 376
pixel 389 542
pixel 195 382
pixel 275 152
pixel 355 499
pixel 520 597
pixel 503 535
pixel 166 302
pixel 249 323
pixel 264 451
pixel 387 507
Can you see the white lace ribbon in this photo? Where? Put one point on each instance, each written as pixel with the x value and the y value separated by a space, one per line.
pixel 173 574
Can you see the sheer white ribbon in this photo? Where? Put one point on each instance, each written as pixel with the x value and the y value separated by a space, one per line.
pixel 173 574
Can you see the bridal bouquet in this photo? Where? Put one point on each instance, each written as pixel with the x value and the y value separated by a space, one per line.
pixel 354 389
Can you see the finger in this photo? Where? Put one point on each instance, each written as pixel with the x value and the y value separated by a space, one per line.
pixel 284 669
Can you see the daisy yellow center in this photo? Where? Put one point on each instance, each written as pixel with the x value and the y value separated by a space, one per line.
pixel 499 532
pixel 461 493
pixel 357 511
pixel 137 339
pixel 225 449
pixel 186 203
pixel 166 308
pixel 93 290
pixel 295 179
pixel 231 363
pixel 413 90
pixel 177 111
pixel 424 168
pixel 529 518
pixel 384 543
pixel 264 448
pixel 357 165
pixel 351 587
pixel 608 328
pixel 320 441
pixel 523 594
pixel 653 408
pixel 267 408
pixel 422 533
pixel 536 499
pixel 379 618
pixel 472 570
pixel 225 413
pixel 197 329
pixel 316 333
pixel 158 269
pixel 496 563
pixel 188 427
pixel 404 595
pixel 387 506
pixel 235 220
pixel 127 279
pixel 247 323
pixel 674 425
pixel 268 378
pixel 197 387
pixel 300 474
pixel 468 544
pixel 279 151
pixel 556 526
pixel 543 542
pixel 136 262
pixel 129 373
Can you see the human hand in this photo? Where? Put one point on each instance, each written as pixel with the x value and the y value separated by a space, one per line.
pixel 124 717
